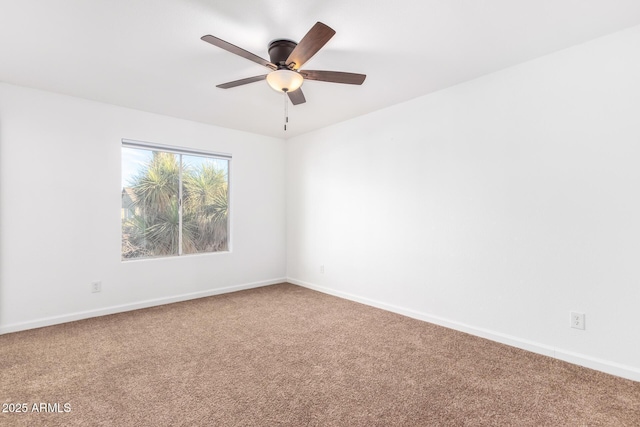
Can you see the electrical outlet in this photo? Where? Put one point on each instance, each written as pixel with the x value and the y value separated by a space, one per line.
pixel 322 269
pixel 577 320
pixel 96 286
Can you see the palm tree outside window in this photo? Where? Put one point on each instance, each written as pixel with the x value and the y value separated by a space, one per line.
pixel 173 202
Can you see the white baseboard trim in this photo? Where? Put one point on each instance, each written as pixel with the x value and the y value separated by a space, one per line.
pixel 606 366
pixel 54 320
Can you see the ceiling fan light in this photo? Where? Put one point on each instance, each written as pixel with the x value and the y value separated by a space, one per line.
pixel 284 80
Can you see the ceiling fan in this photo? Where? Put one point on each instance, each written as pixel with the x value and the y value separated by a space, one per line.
pixel 286 58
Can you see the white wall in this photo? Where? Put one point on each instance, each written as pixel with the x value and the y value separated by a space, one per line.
pixel 496 207
pixel 60 211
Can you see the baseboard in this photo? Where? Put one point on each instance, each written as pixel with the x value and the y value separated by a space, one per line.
pixel 54 320
pixel 606 366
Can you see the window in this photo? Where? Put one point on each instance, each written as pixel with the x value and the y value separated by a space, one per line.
pixel 174 201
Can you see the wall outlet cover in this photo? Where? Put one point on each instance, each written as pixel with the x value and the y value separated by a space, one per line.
pixel 96 286
pixel 577 320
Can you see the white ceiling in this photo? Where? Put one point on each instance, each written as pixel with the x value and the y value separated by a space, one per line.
pixel 147 54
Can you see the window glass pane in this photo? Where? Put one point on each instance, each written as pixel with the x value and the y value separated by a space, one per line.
pixel 173 203
pixel 205 204
pixel 150 209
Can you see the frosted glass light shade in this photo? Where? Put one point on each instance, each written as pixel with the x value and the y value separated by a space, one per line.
pixel 284 79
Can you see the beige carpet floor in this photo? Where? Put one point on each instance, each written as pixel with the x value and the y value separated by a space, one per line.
pixel 286 355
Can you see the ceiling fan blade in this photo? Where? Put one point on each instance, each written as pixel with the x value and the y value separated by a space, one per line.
pixel 334 76
pixel 296 97
pixel 242 82
pixel 311 43
pixel 238 51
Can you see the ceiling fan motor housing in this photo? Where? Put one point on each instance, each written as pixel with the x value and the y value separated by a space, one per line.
pixel 279 51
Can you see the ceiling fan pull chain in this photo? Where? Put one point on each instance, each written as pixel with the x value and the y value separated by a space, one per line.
pixel 286 109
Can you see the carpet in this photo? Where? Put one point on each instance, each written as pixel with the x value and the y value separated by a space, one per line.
pixel 284 355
